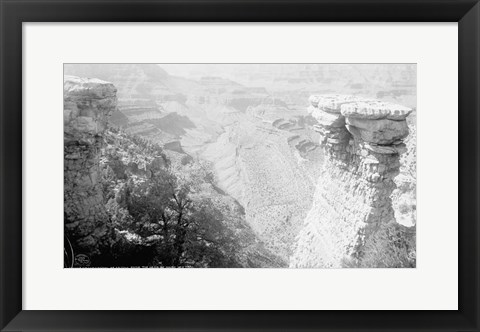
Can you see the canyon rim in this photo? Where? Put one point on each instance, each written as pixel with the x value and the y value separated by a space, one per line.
pixel 240 165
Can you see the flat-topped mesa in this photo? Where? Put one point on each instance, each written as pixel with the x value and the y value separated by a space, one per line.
pixel 363 135
pixel 351 124
pixel 88 103
pixel 362 140
pixel 326 109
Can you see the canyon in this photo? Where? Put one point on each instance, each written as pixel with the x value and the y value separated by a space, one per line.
pixel 103 164
pixel 303 189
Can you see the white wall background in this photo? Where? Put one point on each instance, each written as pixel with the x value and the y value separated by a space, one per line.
pixel 432 285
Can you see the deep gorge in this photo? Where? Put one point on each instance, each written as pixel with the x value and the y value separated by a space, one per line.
pixel 279 179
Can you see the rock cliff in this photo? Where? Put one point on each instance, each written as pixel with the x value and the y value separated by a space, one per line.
pixel 104 167
pixel 362 141
pixel 88 103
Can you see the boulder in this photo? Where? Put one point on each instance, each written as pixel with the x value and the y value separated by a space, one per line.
pixel 383 131
pixel 328 119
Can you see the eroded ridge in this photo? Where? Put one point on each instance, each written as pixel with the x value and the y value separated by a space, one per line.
pixel 88 103
pixel 362 140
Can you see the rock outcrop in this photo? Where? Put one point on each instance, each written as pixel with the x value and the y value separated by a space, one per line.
pixel 88 103
pixel 362 141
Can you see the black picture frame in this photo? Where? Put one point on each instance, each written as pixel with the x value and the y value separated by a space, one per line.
pixel 15 12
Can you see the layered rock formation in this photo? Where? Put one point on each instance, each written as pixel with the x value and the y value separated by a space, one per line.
pixel 362 141
pixel 88 103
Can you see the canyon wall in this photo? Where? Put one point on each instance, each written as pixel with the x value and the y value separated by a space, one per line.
pixel 88 103
pixel 362 141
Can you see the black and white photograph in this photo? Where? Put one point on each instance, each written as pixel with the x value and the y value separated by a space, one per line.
pixel 240 165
